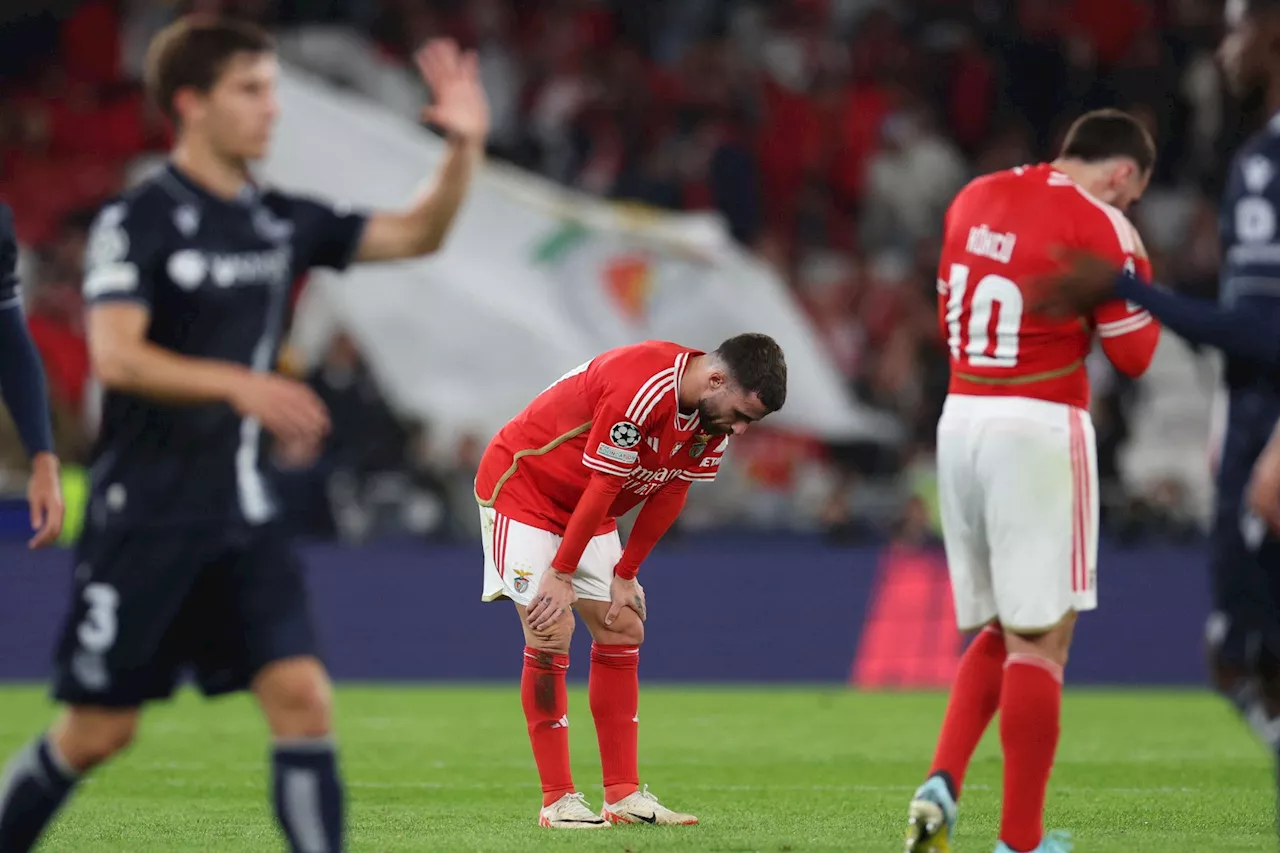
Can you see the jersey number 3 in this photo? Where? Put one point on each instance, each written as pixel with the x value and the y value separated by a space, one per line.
pixel 994 306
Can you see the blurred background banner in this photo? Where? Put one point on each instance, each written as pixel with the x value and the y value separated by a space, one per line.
pixel 534 281
pixel 872 617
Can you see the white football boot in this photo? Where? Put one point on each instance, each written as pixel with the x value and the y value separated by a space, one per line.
pixel 570 812
pixel 643 807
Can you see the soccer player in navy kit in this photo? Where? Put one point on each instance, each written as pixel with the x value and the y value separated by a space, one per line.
pixel 1243 633
pixel 23 387
pixel 181 566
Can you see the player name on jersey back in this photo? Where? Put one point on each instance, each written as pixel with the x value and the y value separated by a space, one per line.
pixel 1000 232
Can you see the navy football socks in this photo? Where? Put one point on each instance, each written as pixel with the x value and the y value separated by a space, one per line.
pixel 308 794
pixel 36 784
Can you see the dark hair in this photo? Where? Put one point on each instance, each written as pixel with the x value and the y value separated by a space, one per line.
pixel 1103 134
pixel 192 52
pixel 756 363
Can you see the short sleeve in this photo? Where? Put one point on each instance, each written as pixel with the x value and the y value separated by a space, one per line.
pixel 325 235
pixel 121 257
pixel 9 295
pixel 706 458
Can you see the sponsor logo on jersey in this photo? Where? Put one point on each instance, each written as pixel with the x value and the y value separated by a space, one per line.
pixel 991 244
pixel 676 449
pixel 191 268
pixel 608 451
pixel 646 481
pixel 624 434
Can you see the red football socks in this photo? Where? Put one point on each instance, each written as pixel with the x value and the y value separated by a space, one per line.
pixel 614 691
pixel 1030 720
pixel 975 698
pixel 546 708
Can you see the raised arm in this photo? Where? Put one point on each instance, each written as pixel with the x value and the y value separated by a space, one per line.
pixel 460 108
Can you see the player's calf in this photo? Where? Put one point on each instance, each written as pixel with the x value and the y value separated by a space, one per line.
pixel 41 777
pixel 1030 724
pixel 296 699
pixel 86 736
pixel 545 699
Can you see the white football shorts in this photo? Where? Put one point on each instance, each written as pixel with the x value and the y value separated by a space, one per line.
pixel 516 555
pixel 1018 487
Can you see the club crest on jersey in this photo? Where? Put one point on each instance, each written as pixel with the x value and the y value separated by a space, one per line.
pixel 624 434
pixel 522 581
pixel 699 444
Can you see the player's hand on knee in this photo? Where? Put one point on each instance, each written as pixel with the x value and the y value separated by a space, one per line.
pixel 286 408
pixel 1264 489
pixel 554 598
pixel 625 593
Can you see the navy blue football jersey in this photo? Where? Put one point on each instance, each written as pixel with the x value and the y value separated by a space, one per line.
pixel 9 295
pixel 215 276
pixel 1250 279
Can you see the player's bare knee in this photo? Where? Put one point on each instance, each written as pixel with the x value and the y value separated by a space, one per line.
pixel 296 698
pixel 554 638
pixel 86 737
pixel 1053 643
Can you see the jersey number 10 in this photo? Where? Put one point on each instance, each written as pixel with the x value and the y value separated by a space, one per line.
pixel 994 297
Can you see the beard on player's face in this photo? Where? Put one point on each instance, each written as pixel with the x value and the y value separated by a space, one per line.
pixel 715 416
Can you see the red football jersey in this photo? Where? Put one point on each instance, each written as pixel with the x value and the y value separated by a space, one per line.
pixel 999 233
pixel 617 414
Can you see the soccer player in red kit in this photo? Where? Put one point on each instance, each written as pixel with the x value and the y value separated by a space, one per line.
pixel 1017 472
pixel 635 424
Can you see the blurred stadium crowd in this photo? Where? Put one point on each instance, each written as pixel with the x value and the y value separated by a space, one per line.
pixel 830 134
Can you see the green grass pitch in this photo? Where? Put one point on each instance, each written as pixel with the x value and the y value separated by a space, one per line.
pixel 449 769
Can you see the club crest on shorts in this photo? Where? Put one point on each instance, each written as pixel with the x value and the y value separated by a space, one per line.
pixel 624 434
pixel 522 581
pixel 699 444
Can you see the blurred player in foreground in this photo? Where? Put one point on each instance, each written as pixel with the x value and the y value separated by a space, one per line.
pixel 636 424
pixel 181 565
pixel 1017 472
pixel 1243 633
pixel 23 386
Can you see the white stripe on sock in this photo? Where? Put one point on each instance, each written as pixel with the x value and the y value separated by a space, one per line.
pixel 302 810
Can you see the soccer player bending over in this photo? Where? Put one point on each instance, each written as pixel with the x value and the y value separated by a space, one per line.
pixel 182 565
pixel 1017 472
pixel 634 425
pixel 1243 632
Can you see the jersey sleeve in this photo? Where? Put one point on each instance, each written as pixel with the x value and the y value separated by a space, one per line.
pixel 623 416
pixel 325 235
pixel 9 295
pixel 122 256
pixel 1128 332
pixel 708 464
